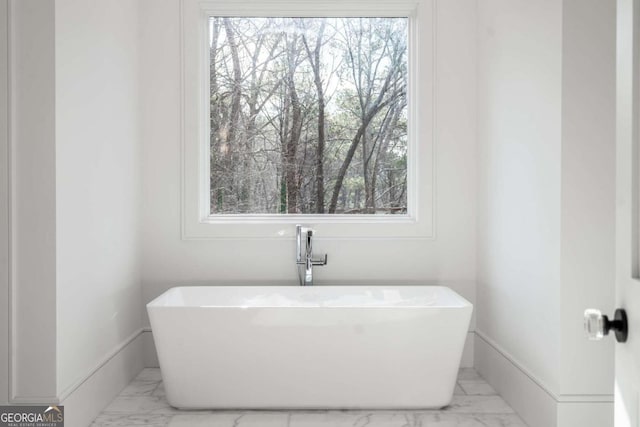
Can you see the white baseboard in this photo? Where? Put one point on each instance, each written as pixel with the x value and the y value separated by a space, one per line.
pixel 588 414
pixel 151 357
pixel 85 400
pixel 531 399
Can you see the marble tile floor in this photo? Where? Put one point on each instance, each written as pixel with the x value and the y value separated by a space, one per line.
pixel 143 403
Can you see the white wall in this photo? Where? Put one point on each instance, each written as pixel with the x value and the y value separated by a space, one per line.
pixel 32 204
pixel 169 261
pixel 519 139
pixel 97 184
pixel 546 79
pixel 69 191
pixel 4 202
pixel 588 190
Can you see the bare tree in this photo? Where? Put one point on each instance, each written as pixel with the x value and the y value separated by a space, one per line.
pixel 365 59
pixel 314 59
pixel 307 108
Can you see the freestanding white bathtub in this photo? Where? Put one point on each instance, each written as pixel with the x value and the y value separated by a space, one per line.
pixel 309 347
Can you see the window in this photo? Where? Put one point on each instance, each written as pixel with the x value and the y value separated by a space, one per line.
pixel 307 111
pixel 308 115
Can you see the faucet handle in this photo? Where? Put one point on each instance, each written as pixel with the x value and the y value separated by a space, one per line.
pixel 320 262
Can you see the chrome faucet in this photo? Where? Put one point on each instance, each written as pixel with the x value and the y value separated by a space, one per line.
pixel 306 262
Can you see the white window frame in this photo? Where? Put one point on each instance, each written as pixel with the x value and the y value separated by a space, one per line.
pixel 199 223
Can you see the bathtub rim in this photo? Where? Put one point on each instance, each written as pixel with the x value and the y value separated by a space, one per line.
pixel 461 302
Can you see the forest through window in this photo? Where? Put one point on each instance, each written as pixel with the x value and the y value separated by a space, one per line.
pixel 308 115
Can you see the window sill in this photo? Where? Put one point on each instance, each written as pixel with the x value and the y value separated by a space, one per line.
pixel 272 227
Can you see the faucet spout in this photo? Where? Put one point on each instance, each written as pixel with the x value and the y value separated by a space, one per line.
pixel 308 270
pixel 305 234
